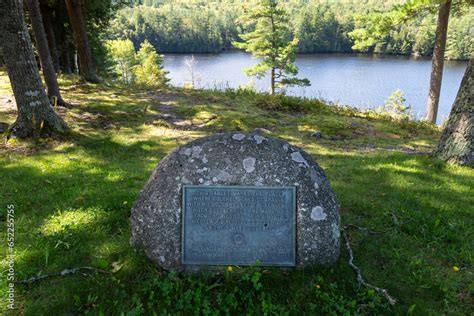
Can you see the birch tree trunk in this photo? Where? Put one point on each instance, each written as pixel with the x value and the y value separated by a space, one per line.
pixel 438 60
pixel 86 64
pixel 34 109
pixel 456 144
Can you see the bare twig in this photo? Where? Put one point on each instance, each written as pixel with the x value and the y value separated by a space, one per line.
pixel 360 279
pixel 61 273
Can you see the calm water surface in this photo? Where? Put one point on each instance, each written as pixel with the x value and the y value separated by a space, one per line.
pixel 363 81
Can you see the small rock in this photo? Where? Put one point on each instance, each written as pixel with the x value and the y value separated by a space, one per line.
pixel 316 134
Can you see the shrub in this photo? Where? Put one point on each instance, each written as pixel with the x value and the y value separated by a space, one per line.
pixel 396 106
pixel 284 103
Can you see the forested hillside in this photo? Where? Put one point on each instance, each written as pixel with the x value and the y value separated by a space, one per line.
pixel 180 26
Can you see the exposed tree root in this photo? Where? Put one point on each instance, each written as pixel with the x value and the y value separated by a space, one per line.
pixel 360 279
pixel 61 273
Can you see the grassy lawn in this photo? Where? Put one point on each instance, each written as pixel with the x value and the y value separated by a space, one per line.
pixel 72 197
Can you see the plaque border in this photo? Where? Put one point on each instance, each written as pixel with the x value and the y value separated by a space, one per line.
pixel 183 212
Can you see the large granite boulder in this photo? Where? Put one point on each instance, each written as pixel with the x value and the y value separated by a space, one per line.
pixel 236 159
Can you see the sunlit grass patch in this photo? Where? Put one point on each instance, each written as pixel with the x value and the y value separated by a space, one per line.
pixel 71 220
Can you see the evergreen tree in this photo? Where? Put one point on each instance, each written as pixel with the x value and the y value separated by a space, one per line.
pixel 269 41
pixel 149 71
pixel 456 144
pixel 42 46
pixel 81 39
pixel 437 62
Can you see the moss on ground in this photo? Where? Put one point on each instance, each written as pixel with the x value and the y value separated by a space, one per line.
pixel 73 194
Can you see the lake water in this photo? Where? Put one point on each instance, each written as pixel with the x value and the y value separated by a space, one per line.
pixel 360 80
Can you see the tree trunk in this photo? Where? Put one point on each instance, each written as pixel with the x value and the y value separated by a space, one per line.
pixel 43 50
pixel 34 109
pixel 86 65
pixel 456 144
pixel 65 60
pixel 48 27
pixel 438 61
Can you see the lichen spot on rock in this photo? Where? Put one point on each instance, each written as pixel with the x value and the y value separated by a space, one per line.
pixel 196 151
pixel 249 164
pixel 317 214
pixel 238 136
pixel 185 151
pixel 296 156
pixel 259 139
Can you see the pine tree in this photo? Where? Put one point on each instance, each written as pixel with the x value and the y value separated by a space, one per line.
pixel 270 42
pixel 34 110
pixel 437 62
pixel 149 71
pixel 456 144
pixel 86 64
pixel 47 65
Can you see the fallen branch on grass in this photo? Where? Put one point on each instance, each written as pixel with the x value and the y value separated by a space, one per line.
pixel 61 273
pixel 360 279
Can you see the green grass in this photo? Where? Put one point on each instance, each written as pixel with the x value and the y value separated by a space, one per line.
pixel 72 196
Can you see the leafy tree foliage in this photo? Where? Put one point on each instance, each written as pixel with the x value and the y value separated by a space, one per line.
pixel 460 42
pixel 269 42
pixel 143 67
pixel 123 57
pixel 410 29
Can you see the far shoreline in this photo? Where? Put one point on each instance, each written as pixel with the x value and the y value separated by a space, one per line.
pixel 412 56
